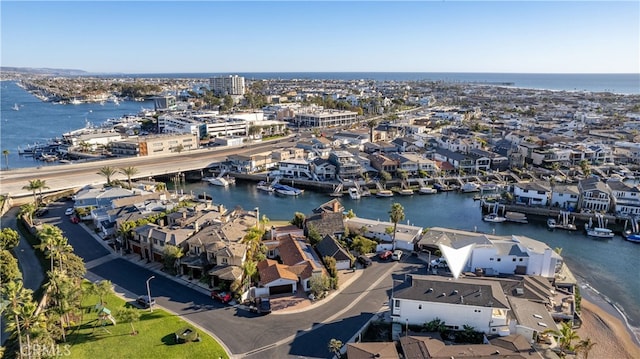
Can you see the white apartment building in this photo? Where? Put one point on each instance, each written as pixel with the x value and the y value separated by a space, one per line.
pixel 227 85
pixel 326 118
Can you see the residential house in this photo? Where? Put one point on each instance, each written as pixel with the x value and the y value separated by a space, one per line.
pixel 432 346
pixel 406 235
pixel 368 350
pixel 150 240
pixel 383 163
pixel 531 193
pixel 495 160
pixel 626 199
pixel 91 197
pixel 500 254
pixel 565 196
pixel 379 147
pixel 478 303
pixel 461 162
pixel 406 144
pixel 330 247
pixel 346 164
pixel 351 138
pixel 323 169
pixel 326 223
pixel 297 168
pixel 299 263
pixel 595 195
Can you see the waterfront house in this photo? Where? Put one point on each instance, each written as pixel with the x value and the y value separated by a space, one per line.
pixel 296 168
pixel 382 162
pixel 531 193
pixel 323 169
pixel 626 199
pixel 500 254
pixel 432 346
pixel 346 164
pixel 595 195
pixel 565 196
pixel 330 247
pixel 486 160
pixel 461 162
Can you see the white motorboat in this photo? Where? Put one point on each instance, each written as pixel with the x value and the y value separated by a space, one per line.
pixel 405 192
pixel 427 190
pixel 16 107
pixel 286 190
pixel 599 232
pixel 494 218
pixel 384 193
pixel 354 193
pixel 470 187
pixel 216 181
pixel 265 187
pixel 551 223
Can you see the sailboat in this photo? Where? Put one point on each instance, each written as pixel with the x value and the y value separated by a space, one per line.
pixel 15 107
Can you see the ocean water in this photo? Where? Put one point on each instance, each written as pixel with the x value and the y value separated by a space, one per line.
pixel 591 260
pixel 615 83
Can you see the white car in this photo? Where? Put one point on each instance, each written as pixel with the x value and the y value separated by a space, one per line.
pixel 69 211
pixel 397 254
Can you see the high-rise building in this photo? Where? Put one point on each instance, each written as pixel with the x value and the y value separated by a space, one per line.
pixel 227 85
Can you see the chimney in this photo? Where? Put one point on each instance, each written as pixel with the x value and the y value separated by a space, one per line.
pixel 196 226
pixel 336 207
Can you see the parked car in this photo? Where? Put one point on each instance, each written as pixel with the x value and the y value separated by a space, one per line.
pixel 397 254
pixel 224 297
pixel 41 212
pixel 69 211
pixel 260 305
pixel 385 255
pixel 144 301
pixel 439 263
pixel 364 260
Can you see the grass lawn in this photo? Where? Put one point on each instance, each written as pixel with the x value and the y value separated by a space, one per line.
pixel 155 338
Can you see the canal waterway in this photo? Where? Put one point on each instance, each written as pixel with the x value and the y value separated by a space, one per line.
pixel 610 266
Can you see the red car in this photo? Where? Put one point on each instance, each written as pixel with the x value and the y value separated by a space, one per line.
pixel 385 255
pixel 74 219
pixel 224 297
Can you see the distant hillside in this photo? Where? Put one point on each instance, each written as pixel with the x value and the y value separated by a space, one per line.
pixel 43 71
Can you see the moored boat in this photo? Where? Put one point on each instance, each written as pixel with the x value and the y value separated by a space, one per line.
pixel 265 187
pixel 551 223
pixel 216 181
pixel 427 190
pixel 470 187
pixel 286 190
pixel 384 193
pixel 405 192
pixel 354 193
pixel 599 232
pixel 633 238
pixel 494 218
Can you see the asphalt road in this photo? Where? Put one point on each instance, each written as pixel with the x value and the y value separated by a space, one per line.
pixel 301 334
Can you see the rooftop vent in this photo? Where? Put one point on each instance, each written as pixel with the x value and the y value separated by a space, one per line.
pixel 537 316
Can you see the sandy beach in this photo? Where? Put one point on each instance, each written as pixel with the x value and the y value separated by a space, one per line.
pixel 609 332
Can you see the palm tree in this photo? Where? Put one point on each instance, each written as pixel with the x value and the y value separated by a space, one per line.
pixel 32 322
pixel 5 153
pixel 16 296
pixel 334 346
pixel 129 172
pixel 53 243
pixel 33 187
pixel 107 172
pixel 584 347
pixel 566 336
pixel 396 215
pixel 26 212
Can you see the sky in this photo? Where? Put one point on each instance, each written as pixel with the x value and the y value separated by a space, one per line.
pixel 315 36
